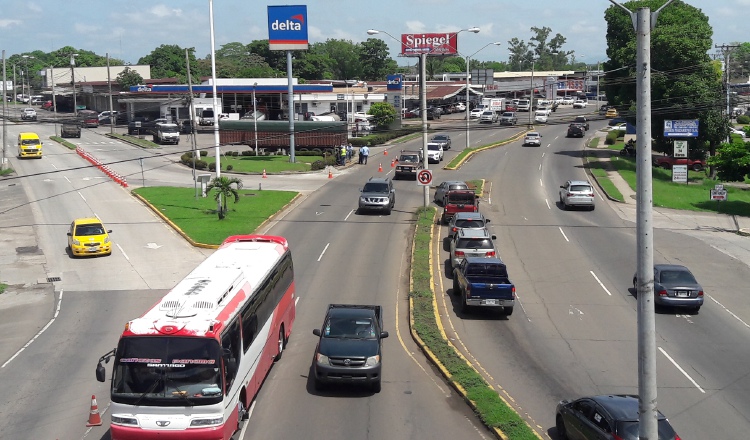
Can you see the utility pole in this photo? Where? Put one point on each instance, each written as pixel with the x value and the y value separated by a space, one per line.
pixel 5 117
pixel 196 155
pixel 423 114
pixel 54 99
pixel 111 113
pixel 643 22
pixel 726 50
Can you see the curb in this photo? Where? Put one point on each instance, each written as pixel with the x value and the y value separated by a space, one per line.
pixel 433 358
pixel 484 147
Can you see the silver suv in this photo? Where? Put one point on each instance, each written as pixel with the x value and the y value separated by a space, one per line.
pixel 378 194
pixel 472 243
pixel 577 193
pixel 466 220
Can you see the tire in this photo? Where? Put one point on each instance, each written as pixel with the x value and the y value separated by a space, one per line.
pixel 635 285
pixel 507 311
pixel 696 309
pixel 375 386
pixel 456 288
pixel 592 207
pixel 281 344
pixel 388 212
pixel 697 167
pixel 560 427
pixel 464 307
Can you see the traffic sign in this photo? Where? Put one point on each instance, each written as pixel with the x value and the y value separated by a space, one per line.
pixel 424 177
pixel 720 195
pixel 680 149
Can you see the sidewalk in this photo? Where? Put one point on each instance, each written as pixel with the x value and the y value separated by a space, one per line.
pixel 729 234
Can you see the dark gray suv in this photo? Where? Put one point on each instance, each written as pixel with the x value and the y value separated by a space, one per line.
pixel 378 194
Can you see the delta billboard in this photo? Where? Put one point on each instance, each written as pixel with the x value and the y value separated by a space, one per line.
pixel 287 27
pixel 431 44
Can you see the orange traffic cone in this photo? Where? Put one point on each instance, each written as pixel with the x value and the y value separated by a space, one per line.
pixel 330 173
pixel 264 174
pixel 380 168
pixel 393 163
pixel 385 152
pixel 95 419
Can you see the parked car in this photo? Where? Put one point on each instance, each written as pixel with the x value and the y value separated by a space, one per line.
pixel 610 113
pixel 533 138
pixel 738 132
pixel 88 237
pixel 675 286
pixel 603 109
pixel 48 105
pixel 575 130
pixel 667 162
pixel 476 113
pixel 472 243
pixel 442 139
pixel 607 417
pixel 580 103
pixel 568 100
pixel 378 194
pixel 448 185
pixel 433 113
pixel 582 120
pixel 409 114
pixel 460 107
pixel 577 193
pixel 466 220
pixel 488 116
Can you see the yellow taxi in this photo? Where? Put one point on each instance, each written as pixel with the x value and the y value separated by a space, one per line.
pixel 87 236
pixel 611 113
pixel 29 145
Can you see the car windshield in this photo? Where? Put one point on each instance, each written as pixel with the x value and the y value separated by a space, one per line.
pixel 677 277
pixel 155 370
pixel 461 198
pixel 30 142
pixel 580 188
pixel 170 129
pixel 440 138
pixel 90 229
pixel 349 328
pixel 375 187
pixel 487 114
pixel 532 135
pixel 629 430
pixel 409 158
pixel 458 186
pixel 507 115
pixel 469 223
pixel 474 243
pixel 433 147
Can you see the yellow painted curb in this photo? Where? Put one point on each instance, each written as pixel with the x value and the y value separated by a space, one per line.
pixel 484 147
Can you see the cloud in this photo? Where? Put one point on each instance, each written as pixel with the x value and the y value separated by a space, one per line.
pixel 6 23
pixel 415 27
pixel 162 11
pixel 85 28
pixel 34 7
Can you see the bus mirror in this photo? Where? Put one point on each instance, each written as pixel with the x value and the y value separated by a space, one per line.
pixel 101 372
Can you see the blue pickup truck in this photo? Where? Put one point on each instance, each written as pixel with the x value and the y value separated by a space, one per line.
pixel 484 282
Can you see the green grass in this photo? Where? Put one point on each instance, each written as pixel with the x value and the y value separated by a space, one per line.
pixel 7 171
pixel 199 220
pixel 489 406
pixel 135 140
pixel 605 182
pixel 63 142
pixel 477 185
pixel 3 286
pixel 594 142
pixel 272 164
pixel 692 196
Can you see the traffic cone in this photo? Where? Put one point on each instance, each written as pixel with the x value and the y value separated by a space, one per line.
pixel 95 419
pixel 380 168
pixel 393 163
pixel 264 174
pixel 330 173
pixel 385 152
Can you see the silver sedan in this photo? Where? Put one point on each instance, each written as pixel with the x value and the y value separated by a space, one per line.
pixel 675 286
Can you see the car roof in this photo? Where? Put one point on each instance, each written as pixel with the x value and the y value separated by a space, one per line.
pixel 87 220
pixel 491 260
pixel 453 182
pixel 440 135
pixel 533 133
pixel 579 182
pixel 621 406
pixel 378 180
pixel 468 215
pixel 474 233
pixel 677 267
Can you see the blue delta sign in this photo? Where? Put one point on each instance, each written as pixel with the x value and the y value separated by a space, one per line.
pixel 394 82
pixel 287 27
pixel 681 128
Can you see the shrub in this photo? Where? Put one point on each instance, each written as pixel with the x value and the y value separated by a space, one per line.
pixel 308 153
pixel 211 166
pixel 229 154
pixel 248 153
pixel 318 165
pixel 743 119
pixel 204 153
pixel 230 167
pixel 611 137
pixel 202 165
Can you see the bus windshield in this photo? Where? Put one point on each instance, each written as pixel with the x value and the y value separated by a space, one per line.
pixel 162 370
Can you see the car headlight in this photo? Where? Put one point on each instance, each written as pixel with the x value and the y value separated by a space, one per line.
pixel 372 361
pixel 106 239
pixel 363 199
pixel 207 422
pixel 76 242
pixel 322 359
pixel 119 420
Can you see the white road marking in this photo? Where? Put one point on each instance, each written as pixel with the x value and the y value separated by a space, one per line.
pixel 104 411
pixel 54 317
pixel 681 370
pixel 541 183
pixel 728 311
pixel 247 422
pixel 576 311
pixel 53 166
pixel 123 252
pixel 548 145
pixel 324 251
pixel 540 167
pixel 543 154
pixel 84 198
pixel 563 234
pixel 347 216
pixel 548 205
pixel 66 178
pixel 600 283
pixel 489 195
pixel 152 246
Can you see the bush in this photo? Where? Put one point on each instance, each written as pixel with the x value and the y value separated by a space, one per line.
pixel 248 153
pixel 743 119
pixel 230 167
pixel 201 165
pixel 613 135
pixel 308 153
pixel 204 153
pixel 211 166
pixel 229 154
pixel 318 165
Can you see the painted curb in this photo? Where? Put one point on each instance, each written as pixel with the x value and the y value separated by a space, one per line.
pixel 476 150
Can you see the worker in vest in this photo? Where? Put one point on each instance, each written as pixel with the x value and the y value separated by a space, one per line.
pixel 343 154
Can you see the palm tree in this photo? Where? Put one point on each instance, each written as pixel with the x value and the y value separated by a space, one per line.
pixel 224 190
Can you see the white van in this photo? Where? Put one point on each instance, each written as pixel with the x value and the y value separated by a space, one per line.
pixel 524 105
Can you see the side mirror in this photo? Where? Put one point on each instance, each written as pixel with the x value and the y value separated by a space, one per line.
pixel 109 231
pixel 316 331
pixel 562 186
pixel 486 220
pixel 383 335
pixel 494 237
pixel 101 372
pixel 69 234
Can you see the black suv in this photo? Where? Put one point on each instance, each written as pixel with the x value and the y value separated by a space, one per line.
pixel 583 121
pixel 575 130
pixel 378 194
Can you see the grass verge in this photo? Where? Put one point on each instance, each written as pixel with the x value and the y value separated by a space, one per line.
pixel 605 182
pixel 7 171
pixel 490 408
pixel 143 143
pixel 3 286
pixel 198 218
pixel 256 164
pixel 63 142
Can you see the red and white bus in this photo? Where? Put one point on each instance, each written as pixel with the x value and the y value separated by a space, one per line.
pixel 191 365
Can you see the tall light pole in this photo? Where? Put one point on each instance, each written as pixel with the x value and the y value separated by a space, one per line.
pixel 531 94
pixel 255 119
pixel 73 77
pixel 26 59
pixel 468 58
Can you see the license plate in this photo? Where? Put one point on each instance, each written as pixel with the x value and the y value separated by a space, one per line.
pixel 491 302
pixel 93 249
pixel 682 293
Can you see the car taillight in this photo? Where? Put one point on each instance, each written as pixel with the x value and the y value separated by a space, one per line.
pixel 513 292
pixel 460 253
pixel 490 254
pixel 663 293
pixel 454 229
pixel 676 437
pixel 468 290
pixel 700 293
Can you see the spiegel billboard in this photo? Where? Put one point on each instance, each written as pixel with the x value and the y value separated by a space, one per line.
pixel 431 44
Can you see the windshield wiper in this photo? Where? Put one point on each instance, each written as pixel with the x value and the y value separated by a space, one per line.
pixel 182 394
pixel 149 391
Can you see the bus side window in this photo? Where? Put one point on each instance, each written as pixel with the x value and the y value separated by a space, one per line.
pixel 230 343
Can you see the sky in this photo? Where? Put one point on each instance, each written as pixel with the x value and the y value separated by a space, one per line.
pixel 129 30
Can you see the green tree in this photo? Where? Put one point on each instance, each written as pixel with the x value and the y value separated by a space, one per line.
pixel 732 160
pixel 685 84
pixel 128 77
pixel 225 187
pixel 344 56
pixel 384 113
pixel 545 55
pixel 375 61
pixel 314 63
pixel 275 58
pixel 168 61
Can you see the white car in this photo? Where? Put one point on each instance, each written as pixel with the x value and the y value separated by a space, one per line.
pixel 541 117
pixel 476 113
pixel 435 152
pixel 533 138
pixel 577 193
pixel 28 114
pixel 737 131
pixel 461 107
pixel 580 103
pixel 559 100
pixel 544 109
pixel 568 100
pixel 488 116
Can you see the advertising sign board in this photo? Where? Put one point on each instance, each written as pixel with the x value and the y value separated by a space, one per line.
pixel 719 194
pixel 394 82
pixel 287 27
pixel 679 173
pixel 680 149
pixel 681 128
pixel 431 44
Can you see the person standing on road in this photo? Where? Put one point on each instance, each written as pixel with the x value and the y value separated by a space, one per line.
pixel 349 152
pixel 361 156
pixel 365 150
pixel 343 154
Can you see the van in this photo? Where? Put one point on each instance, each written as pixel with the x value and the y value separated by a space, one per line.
pixel 29 145
pixel 524 105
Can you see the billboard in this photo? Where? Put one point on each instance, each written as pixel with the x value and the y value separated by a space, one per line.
pixel 287 27
pixel 394 82
pixel 431 44
pixel 681 128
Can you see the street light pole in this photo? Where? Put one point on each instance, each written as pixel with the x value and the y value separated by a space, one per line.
pixel 468 57
pixel 73 76
pixel 255 119
pixel 531 94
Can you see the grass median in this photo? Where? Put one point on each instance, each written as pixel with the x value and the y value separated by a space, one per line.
pixel 490 408
pixel 198 219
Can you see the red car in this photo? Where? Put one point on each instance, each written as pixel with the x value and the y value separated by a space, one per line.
pixel 47 105
pixel 666 162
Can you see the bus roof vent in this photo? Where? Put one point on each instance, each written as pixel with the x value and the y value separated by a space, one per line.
pixel 169 305
pixel 203 305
